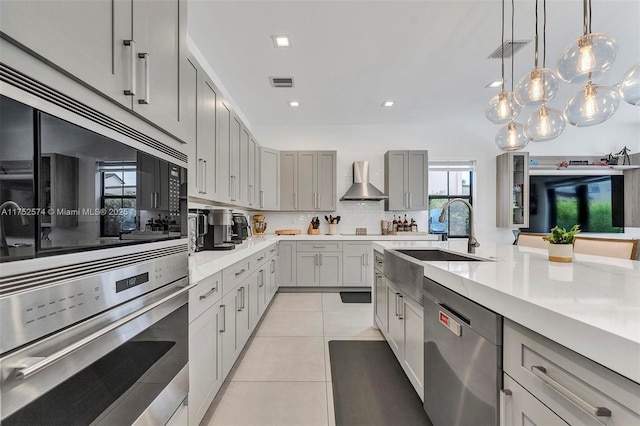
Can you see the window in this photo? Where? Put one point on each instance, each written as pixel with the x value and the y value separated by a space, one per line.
pixel 118 180
pixel 448 180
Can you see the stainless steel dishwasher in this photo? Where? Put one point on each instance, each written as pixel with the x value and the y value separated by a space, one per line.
pixel 462 359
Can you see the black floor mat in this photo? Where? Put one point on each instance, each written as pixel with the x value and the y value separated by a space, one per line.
pixel 84 396
pixel 355 296
pixel 370 388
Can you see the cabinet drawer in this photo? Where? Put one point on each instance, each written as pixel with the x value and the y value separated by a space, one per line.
pixel 234 274
pixel 579 390
pixel 358 247
pixel 257 259
pixel 204 295
pixel 520 408
pixel 378 261
pixel 319 246
pixel 272 250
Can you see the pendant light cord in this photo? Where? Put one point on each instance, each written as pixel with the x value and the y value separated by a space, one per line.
pixel 544 33
pixel 502 47
pixel 536 45
pixel 512 41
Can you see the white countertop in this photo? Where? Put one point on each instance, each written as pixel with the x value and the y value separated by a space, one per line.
pixel 591 305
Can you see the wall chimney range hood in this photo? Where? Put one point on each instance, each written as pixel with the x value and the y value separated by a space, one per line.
pixel 362 190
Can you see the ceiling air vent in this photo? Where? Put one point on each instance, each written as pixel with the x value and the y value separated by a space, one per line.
pixel 281 81
pixel 510 49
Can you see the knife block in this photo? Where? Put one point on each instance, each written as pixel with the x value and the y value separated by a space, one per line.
pixel 312 231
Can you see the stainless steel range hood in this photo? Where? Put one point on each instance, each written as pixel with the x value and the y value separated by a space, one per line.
pixel 362 190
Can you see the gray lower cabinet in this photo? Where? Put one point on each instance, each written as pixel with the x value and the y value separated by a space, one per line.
pixel 520 408
pixel 130 51
pixel 413 351
pixel 307 274
pixel 395 335
pixel 406 176
pixel 269 195
pixel 578 390
pixel 230 306
pixel 330 269
pixel 356 263
pixel 287 264
pixel 205 343
pixel 308 180
pixel 381 311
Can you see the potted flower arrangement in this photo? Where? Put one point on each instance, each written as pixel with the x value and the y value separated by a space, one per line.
pixel 561 247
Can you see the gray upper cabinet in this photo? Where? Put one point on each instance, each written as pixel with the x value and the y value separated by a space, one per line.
pixel 131 51
pixel 308 180
pixel 406 175
pixel 223 152
pixel 243 178
pixel 512 190
pixel 234 161
pixel 202 96
pixel 252 168
pixel 269 195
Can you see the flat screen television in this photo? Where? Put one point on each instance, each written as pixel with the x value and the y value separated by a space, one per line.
pixel 596 203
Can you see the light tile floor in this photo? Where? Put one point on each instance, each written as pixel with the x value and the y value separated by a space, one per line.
pixel 284 377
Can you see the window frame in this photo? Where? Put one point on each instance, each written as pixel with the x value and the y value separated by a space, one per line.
pixel 103 175
pixel 449 167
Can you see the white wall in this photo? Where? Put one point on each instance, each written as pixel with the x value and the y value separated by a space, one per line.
pixel 445 142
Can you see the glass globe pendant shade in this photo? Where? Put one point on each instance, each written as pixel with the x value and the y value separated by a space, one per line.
pixel 502 108
pixel 630 87
pixel 537 87
pixel 588 57
pixel 592 105
pixel 511 137
pixel 544 124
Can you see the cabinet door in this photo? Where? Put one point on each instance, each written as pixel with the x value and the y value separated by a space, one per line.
pixel 273 279
pixel 413 360
pixel 287 263
pixel 523 409
pixel 193 71
pixel 355 271
pixel 395 180
pixel 263 287
pixel 289 180
pixel 243 315
pixel 234 159
pixel 326 198
pixel 243 179
pixel 512 190
pixel 160 30
pixel 269 179
pixel 85 39
pixel 204 371
pixel 307 269
pixel 396 325
pixel 207 138
pixel 229 308
pixel 307 195
pixel 418 175
pixel 330 269
pixel 380 306
pixel 223 152
pixel 251 172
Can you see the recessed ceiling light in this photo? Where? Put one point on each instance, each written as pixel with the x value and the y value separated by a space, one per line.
pixel 494 83
pixel 294 103
pixel 281 40
pixel 388 103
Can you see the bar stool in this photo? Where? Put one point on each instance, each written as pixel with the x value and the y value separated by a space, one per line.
pixel 610 247
pixel 532 240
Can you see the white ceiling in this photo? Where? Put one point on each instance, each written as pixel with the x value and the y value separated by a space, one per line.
pixel 429 56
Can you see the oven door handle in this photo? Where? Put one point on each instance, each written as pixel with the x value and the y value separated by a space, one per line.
pixel 26 372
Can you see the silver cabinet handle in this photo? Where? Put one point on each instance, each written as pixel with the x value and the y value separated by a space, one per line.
pixel 261 278
pixel 396 300
pixel 295 200
pixel 57 356
pixel 240 272
pixel 320 259
pixel 250 191
pixel 132 45
pixel 223 314
pixel 504 393
pixel 541 373
pixel 315 259
pixel 199 175
pixel 204 176
pixel 239 300
pixel 367 259
pixel 273 266
pixel 401 314
pixel 243 299
pixel 319 246
pixel 209 293
pixel 261 199
pixel 145 100
pixel 410 200
pixel 259 259
pixel 153 200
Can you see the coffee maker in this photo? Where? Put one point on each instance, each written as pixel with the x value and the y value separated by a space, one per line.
pixel 219 230
pixel 240 229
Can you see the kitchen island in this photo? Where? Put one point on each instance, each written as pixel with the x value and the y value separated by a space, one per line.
pixel 591 306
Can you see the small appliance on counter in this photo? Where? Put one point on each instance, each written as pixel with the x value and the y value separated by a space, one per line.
pixel 240 228
pixel 210 230
pixel 259 224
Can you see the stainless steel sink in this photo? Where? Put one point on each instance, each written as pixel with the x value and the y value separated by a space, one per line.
pixel 438 255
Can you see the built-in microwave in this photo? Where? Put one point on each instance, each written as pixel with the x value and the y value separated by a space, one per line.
pixel 67 188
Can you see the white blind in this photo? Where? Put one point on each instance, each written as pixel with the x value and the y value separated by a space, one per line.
pixel 453 166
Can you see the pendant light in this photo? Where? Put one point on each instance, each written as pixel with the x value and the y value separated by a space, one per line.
pixel 502 107
pixel 539 85
pixel 546 123
pixel 589 56
pixel 630 86
pixel 511 137
pixel 592 105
